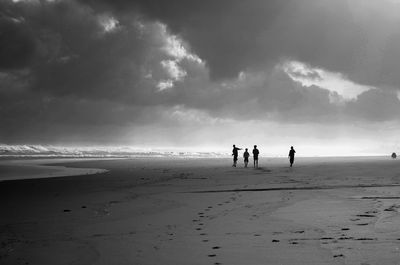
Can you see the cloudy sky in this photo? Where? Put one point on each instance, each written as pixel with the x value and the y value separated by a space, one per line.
pixel 321 75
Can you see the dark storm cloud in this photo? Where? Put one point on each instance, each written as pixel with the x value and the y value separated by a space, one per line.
pixel 17 45
pixel 356 38
pixel 264 95
pixel 77 58
pixel 375 105
pixel 70 65
pixel 69 53
pixel 234 35
pixel 51 120
pixel 389 72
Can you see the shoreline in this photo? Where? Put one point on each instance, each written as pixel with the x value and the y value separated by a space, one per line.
pixel 48 167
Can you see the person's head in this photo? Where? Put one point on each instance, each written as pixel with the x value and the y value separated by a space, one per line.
pixel 246 149
pixel 291 147
pixel 233 145
pixel 255 146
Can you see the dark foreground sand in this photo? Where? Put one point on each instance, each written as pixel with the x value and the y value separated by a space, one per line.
pixel 202 211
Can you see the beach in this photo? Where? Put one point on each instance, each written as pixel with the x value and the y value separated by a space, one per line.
pixel 201 211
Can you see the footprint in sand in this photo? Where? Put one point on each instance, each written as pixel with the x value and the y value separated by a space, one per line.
pixel 345 238
pixel 390 209
pixel 366 215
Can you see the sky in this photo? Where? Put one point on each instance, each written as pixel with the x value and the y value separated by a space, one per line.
pixel 321 75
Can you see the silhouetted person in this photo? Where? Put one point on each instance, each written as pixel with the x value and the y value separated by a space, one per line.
pixel 255 156
pixel 246 157
pixel 291 155
pixel 235 155
pixel 394 155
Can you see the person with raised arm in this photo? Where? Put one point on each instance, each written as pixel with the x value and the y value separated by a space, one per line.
pixel 235 154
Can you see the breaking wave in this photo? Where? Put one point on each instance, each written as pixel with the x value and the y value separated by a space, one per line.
pixel 99 151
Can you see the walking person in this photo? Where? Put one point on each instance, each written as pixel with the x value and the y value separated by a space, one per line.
pixel 235 154
pixel 291 155
pixel 246 157
pixel 255 156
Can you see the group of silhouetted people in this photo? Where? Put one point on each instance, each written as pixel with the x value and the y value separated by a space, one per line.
pixel 256 152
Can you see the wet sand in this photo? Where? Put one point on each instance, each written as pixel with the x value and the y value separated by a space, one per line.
pixel 43 168
pixel 202 211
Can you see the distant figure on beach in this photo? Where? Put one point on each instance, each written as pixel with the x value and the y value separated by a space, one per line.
pixel 255 156
pixel 394 155
pixel 246 157
pixel 235 155
pixel 291 156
